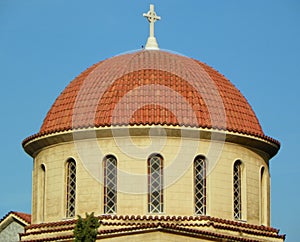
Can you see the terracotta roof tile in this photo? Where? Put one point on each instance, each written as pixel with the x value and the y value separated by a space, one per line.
pixel 114 225
pixel 24 216
pixel 151 87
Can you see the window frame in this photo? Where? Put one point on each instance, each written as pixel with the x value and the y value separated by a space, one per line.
pixel 43 190
pixel 155 174
pixel 200 209
pixel 112 183
pixel 71 187
pixel 237 190
pixel 263 196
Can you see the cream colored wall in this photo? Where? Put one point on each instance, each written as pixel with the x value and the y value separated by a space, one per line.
pixel 178 195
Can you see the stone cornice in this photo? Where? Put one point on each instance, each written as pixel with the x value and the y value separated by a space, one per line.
pixel 35 145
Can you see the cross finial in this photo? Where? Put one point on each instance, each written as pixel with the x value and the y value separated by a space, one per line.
pixel 152 18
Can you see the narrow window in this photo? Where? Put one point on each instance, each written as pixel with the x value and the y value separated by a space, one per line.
pixel 43 188
pixel 71 188
pixel 263 195
pixel 237 198
pixel 110 184
pixel 155 184
pixel 200 185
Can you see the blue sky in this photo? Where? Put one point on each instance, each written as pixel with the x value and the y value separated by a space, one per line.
pixel 256 44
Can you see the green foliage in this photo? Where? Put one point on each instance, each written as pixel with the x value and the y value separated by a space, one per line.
pixel 86 229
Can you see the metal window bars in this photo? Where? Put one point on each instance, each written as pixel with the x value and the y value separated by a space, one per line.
pixel 110 185
pixel 155 184
pixel 200 185
pixel 237 199
pixel 71 188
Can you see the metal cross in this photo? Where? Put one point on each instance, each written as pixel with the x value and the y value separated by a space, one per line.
pixel 152 18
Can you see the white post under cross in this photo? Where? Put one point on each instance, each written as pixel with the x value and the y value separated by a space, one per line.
pixel 152 18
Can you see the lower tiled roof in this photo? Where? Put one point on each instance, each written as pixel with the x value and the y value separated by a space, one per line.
pixel 195 226
pixel 26 218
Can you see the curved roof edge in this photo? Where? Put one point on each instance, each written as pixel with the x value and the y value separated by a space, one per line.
pixel 33 144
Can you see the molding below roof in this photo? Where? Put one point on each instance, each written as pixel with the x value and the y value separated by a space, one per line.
pixel 35 145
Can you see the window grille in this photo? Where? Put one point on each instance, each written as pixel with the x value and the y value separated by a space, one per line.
pixel 155 184
pixel 200 185
pixel 71 188
pixel 237 199
pixel 110 185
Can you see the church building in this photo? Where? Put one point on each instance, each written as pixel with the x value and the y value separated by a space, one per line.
pixel 160 146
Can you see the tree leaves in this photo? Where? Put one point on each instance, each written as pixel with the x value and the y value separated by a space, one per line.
pixel 86 229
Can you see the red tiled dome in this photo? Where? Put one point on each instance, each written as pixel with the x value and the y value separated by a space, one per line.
pixel 151 87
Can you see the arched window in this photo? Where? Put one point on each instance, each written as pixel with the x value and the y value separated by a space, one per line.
pixel 237 191
pixel 43 189
pixel 263 196
pixel 200 185
pixel 155 184
pixel 71 188
pixel 110 184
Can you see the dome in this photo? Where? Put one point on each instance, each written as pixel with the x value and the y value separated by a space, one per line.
pixel 151 87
